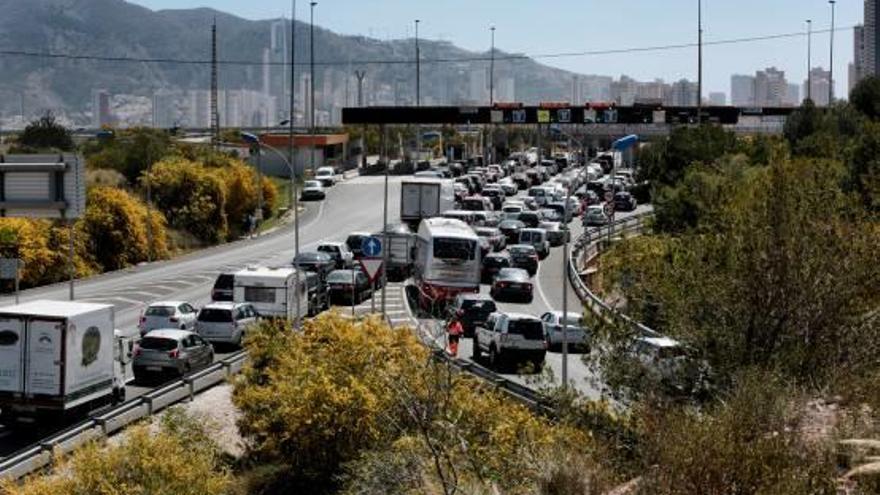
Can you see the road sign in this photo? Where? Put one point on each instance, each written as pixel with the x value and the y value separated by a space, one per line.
pixel 372 267
pixel 9 268
pixel 371 247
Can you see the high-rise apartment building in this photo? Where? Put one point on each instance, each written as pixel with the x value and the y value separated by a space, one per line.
pixel 870 37
pixel 771 87
pixel 857 67
pixel 165 112
pixel 792 95
pixel 684 93
pixel 820 83
pixel 742 90
pixel 624 90
pixel 101 113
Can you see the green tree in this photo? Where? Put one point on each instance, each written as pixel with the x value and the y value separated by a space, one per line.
pixel 130 152
pixel 666 161
pixel 864 167
pixel 865 97
pixel 46 133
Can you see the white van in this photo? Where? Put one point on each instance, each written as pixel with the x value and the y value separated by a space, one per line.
pixel 271 291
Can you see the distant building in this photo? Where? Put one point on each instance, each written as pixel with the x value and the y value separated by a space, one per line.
pixel 742 90
pixel 820 84
pixel 624 90
pixel 505 89
pixel 684 93
pixel 857 67
pixel 652 91
pixel 771 87
pixel 871 38
pixel 596 88
pixel 717 98
pixel 165 111
pixel 792 95
pixel 478 86
pixel 101 113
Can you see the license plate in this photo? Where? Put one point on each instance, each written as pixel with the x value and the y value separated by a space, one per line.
pixel 154 368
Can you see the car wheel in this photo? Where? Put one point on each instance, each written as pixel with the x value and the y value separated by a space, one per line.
pixel 494 358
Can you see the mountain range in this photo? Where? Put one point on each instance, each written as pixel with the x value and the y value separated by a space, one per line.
pixel 75 30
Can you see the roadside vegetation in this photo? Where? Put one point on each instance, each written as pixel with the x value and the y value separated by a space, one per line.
pixel 200 198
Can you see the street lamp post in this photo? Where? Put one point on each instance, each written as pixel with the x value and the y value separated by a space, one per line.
pixel 312 79
pixel 255 141
pixel 699 62
pixel 809 59
pixel 418 95
pixel 492 70
pixel 831 58
pixel 294 198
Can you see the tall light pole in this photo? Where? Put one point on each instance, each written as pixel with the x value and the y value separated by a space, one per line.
pixel 418 96
pixel 312 81
pixel 809 59
pixel 360 74
pixel 831 58
pixel 418 69
pixel 699 62
pixel 294 198
pixel 492 70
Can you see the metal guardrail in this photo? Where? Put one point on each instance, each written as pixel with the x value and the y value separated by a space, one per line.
pixel 587 248
pixel 40 455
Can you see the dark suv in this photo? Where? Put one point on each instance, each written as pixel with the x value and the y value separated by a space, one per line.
pixel 472 310
pixel 223 287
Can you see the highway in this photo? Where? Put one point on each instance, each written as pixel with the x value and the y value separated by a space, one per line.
pixel 548 287
pixel 352 205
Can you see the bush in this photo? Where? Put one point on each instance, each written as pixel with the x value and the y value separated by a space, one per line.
pixel 369 402
pixel 117 227
pixel 105 177
pixel 748 444
pixel 178 459
pixel 129 152
pixel 46 134
pixel 43 248
pixel 192 197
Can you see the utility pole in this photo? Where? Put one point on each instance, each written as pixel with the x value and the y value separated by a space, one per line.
pixel 809 59
pixel 215 115
pixel 699 62
pixel 492 70
pixel 312 78
pixel 418 96
pixel 831 57
pixel 294 197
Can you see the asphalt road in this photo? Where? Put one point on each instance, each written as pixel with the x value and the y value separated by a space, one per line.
pixel 352 205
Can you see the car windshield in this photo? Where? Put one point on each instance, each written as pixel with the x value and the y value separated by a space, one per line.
pixel 224 281
pixel 454 249
pixel 514 274
pixel 479 305
pixel 215 315
pixel 159 311
pixel 328 249
pixel 312 184
pixel 522 250
pixel 158 344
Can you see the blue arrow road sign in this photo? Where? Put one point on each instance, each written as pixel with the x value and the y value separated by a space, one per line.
pixel 371 247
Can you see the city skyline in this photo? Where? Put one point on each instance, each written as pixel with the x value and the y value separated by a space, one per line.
pixel 566 34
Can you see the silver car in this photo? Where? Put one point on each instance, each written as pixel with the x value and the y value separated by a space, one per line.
pixel 575 332
pixel 225 322
pixel 171 350
pixel 168 314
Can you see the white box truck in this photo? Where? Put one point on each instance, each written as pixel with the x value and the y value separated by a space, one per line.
pixel 59 359
pixel 425 198
pixel 271 291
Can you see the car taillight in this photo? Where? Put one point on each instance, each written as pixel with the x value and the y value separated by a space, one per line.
pixel 460 312
pixel 137 350
pixel 502 284
pixel 534 257
pixel 173 354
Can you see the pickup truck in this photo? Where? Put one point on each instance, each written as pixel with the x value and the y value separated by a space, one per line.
pixel 510 338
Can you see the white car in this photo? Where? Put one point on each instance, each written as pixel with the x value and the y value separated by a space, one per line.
pixel 226 322
pixel 595 216
pixel 326 175
pixel 168 314
pixel 312 189
pixel 510 337
pixel 575 332
pixel 340 253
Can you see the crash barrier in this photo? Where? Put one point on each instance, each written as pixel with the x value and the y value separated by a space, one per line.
pixel 587 248
pixel 41 454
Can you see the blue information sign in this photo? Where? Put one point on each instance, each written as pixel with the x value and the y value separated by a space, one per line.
pixel 371 247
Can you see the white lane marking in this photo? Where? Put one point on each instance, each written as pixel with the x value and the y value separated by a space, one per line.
pixel 541 290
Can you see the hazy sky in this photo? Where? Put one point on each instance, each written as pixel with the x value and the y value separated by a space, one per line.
pixel 559 26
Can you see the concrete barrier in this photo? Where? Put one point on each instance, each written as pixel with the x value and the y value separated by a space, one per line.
pixel 207 380
pixel 167 396
pixel 25 463
pixel 69 443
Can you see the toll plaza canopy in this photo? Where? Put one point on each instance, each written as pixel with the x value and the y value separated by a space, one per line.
pixel 555 113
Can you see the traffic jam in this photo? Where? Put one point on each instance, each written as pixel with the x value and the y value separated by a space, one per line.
pixel 469 236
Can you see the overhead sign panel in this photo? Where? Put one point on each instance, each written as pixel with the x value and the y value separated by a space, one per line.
pixel 42 186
